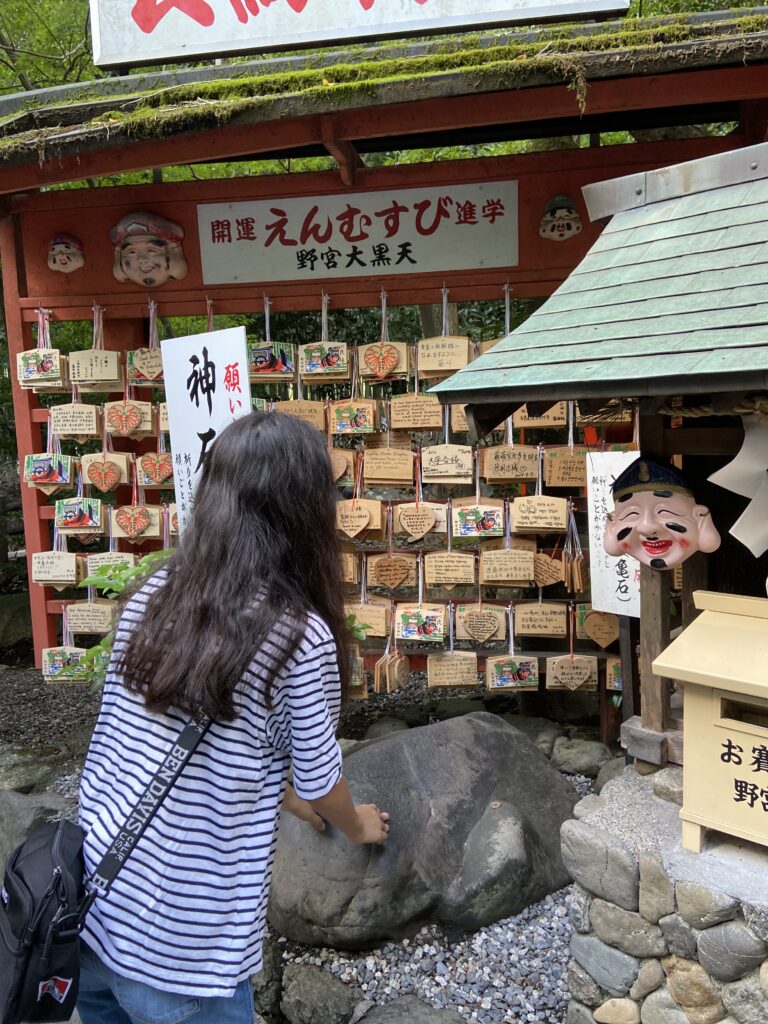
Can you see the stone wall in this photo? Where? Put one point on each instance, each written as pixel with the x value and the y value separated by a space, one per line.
pixel 662 935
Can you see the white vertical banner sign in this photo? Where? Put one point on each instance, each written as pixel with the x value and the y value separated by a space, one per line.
pixel 615 582
pixel 206 388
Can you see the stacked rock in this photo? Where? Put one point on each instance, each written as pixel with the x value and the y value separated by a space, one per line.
pixel 662 936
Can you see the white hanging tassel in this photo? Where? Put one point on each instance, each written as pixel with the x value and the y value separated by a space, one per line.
pixel 384 319
pixel 446 326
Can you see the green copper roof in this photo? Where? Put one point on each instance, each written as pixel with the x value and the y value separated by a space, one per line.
pixel 672 298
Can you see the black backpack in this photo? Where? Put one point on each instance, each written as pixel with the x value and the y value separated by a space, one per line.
pixel 41 902
pixel 45 899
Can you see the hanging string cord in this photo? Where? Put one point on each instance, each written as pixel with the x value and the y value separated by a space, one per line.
pixel 744 407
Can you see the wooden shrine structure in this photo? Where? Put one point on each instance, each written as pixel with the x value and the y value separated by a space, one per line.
pixel 657 81
pixel 668 308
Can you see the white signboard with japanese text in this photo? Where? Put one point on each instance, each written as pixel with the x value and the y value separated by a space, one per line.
pixel 152 31
pixel 615 582
pixel 360 234
pixel 206 388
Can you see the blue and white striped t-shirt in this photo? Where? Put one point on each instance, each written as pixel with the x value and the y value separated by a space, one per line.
pixel 187 911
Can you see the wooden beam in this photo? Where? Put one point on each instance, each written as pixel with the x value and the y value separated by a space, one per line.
pixel 546 103
pixel 482 419
pixel 655 588
pixel 28 432
pixel 344 153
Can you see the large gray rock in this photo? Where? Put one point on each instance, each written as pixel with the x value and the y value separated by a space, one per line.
pixel 540 731
pixel 729 951
pixel 578 1014
pixel 681 938
pixel 661 1008
pixel 649 978
pixel 312 996
pixel 267 985
pixel 384 727
pixel 610 771
pixel 19 813
pixel 626 930
pixel 24 771
pixel 668 784
pixel 613 970
pixel 601 862
pixel 582 986
pixel 475 816
pixel 579 902
pixel 657 893
pixel 580 757
pixel 745 1000
pixel 408 1010
pixel 701 906
pixel 756 916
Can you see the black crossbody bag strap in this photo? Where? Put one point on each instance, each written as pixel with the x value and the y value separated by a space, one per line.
pixel 143 811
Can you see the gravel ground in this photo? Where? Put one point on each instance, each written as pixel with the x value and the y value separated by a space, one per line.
pixel 38 715
pixel 514 970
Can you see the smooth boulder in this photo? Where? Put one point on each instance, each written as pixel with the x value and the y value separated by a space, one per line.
pixel 475 811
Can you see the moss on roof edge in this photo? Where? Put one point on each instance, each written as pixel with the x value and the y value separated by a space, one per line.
pixel 641 44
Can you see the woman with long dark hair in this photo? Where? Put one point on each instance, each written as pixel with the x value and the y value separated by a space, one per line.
pixel 244 622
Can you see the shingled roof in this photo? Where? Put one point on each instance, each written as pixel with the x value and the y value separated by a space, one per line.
pixel 671 299
pixel 115 112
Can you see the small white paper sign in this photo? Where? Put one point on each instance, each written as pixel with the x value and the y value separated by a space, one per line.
pixel 615 581
pixel 206 389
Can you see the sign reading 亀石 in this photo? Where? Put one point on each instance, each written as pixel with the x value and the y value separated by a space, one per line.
pixel 155 31
pixel 206 388
pixel 359 234
pixel 615 582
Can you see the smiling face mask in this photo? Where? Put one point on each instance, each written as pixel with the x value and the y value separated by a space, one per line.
pixel 656 519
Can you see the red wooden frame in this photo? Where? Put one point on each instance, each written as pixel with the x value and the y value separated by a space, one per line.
pixel 30 219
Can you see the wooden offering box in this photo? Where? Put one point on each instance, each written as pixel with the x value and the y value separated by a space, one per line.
pixel 721 659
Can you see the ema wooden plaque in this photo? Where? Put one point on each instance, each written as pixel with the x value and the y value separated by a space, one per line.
pixel 452 668
pixel 541 619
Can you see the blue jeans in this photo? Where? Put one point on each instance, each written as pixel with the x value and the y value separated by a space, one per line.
pixel 108 998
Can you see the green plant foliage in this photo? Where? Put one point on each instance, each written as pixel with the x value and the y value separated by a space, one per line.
pixel 357 630
pixel 112 581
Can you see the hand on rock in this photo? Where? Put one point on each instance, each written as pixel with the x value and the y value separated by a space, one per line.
pixel 372 825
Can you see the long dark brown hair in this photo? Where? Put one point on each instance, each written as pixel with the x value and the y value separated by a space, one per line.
pixel 260 548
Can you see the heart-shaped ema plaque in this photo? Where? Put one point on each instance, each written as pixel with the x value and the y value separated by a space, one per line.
pixel 148 362
pixel 571 672
pixel 601 627
pixel 104 474
pixel 351 518
pixel 157 466
pixel 175 522
pixel 417 521
pixel 390 571
pixel 547 570
pixel 481 626
pixel 338 465
pixel 124 417
pixel 133 519
pixel 382 359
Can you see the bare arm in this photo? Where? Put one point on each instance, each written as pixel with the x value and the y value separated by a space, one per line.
pixel 363 823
